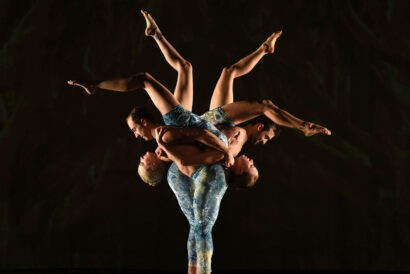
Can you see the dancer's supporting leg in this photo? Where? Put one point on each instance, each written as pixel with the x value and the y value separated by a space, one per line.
pixel 183 188
pixel 223 92
pixel 210 186
pixel 184 86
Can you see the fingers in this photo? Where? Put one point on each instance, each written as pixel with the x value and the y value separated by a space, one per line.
pixel 229 160
pixel 159 151
pixel 161 130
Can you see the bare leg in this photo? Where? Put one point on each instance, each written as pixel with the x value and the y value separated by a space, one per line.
pixel 162 98
pixel 126 84
pixel 243 111
pixel 184 86
pixel 223 92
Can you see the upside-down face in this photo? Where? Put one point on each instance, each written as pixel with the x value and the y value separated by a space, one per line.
pixel 244 165
pixel 140 129
pixel 150 160
pixel 259 135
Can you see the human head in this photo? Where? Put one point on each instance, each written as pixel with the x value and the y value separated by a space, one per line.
pixel 151 169
pixel 261 129
pixel 140 122
pixel 243 173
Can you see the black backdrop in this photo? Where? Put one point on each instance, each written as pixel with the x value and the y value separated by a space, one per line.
pixel 69 193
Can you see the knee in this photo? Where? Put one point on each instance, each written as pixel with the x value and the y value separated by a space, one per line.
pixel 142 78
pixel 229 70
pixel 267 104
pixel 185 65
pixel 203 230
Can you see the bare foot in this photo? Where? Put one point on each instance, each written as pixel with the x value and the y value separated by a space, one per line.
pixel 312 129
pixel 89 89
pixel 152 27
pixel 269 44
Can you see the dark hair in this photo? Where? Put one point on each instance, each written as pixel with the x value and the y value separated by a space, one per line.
pixel 138 113
pixel 267 124
pixel 243 181
pixel 240 181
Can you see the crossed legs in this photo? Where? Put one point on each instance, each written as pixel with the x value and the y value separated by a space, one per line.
pixel 199 199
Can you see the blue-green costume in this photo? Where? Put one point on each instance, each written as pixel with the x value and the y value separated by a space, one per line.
pixel 200 195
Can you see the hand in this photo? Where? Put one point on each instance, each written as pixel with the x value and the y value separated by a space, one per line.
pixel 312 129
pixel 159 151
pixel 229 160
pixel 160 132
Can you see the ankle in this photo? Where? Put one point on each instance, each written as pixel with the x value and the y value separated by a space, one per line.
pixel 158 35
pixel 265 48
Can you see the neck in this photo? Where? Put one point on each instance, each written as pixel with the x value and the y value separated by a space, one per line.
pixel 153 127
pixel 247 132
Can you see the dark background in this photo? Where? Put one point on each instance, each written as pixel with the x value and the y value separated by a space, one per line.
pixel 69 193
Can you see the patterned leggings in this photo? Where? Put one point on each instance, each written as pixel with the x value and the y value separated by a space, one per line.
pixel 199 198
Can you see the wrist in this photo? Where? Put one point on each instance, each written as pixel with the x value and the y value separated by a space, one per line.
pixel 303 125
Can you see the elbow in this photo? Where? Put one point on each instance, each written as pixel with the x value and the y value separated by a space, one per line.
pixel 219 158
pixel 268 105
pixel 184 163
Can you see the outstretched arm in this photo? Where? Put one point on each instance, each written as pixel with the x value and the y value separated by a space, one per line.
pixel 243 111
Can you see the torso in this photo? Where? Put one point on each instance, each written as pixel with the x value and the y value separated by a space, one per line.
pixel 180 151
pixel 236 138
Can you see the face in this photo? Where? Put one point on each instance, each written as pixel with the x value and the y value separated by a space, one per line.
pixel 149 160
pixel 244 164
pixel 139 130
pixel 259 136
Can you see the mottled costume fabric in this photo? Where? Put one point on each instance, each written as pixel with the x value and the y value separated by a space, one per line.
pixel 200 195
pixel 181 117
pixel 217 116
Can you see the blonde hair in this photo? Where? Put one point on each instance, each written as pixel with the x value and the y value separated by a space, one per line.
pixel 152 177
